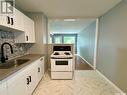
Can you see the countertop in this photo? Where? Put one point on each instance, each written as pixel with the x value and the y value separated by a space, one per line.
pixel 4 73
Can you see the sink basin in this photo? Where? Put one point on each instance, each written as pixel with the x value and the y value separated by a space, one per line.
pixel 13 63
pixel 20 61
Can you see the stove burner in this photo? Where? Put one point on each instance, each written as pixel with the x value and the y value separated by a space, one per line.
pixel 56 53
pixel 66 53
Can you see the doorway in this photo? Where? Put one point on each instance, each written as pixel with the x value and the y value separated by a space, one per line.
pixel 80 32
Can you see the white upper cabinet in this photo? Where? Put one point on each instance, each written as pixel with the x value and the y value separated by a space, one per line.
pixel 18 20
pixel 12 21
pixel 28 36
pixel 22 25
pixel 29 30
pixel 4 20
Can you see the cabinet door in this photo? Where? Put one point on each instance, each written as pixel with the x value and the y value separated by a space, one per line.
pixel 7 21
pixel 40 69
pixel 33 83
pixel 17 84
pixel 12 21
pixel 32 31
pixel 4 20
pixel 32 76
pixel 29 30
pixel 18 20
pixel 28 36
pixel 3 88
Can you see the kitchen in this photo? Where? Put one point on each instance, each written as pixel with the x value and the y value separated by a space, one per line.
pixel 33 64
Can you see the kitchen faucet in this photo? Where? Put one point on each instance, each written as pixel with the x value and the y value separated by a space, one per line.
pixel 3 59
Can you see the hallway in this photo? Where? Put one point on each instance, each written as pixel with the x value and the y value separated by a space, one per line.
pixel 80 64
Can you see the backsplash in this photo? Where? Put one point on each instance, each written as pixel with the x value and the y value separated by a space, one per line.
pixel 19 49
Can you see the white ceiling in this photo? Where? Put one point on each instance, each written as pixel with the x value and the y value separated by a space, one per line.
pixel 65 27
pixel 68 8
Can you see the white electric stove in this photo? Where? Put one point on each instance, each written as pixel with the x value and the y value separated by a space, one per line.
pixel 62 63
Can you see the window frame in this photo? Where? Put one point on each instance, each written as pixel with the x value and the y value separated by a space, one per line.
pixel 65 35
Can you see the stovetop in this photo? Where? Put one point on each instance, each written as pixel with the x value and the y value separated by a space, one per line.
pixel 67 53
pixel 61 54
pixel 56 53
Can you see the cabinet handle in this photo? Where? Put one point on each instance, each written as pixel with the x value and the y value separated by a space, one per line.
pixel 27 81
pixel 41 59
pixel 29 78
pixel 26 38
pixel 39 69
pixel 8 20
pixel 12 22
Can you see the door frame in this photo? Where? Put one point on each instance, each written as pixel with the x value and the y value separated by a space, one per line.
pixel 96 44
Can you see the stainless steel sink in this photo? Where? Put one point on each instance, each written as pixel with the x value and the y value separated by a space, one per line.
pixel 13 63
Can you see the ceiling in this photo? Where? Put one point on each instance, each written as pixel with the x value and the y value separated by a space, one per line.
pixel 68 8
pixel 60 26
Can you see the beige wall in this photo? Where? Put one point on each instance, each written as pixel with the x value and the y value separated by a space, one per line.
pixel 86 42
pixel 112 50
pixel 41 34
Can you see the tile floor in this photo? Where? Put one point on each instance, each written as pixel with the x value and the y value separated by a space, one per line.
pixel 85 82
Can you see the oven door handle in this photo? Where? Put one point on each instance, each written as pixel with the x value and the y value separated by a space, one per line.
pixel 57 63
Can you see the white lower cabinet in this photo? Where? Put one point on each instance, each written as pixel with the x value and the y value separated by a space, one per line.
pixel 17 84
pixel 24 81
pixel 31 76
pixel 3 88
pixel 40 69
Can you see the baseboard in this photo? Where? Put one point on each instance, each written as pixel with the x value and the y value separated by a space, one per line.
pixel 116 87
pixel 85 61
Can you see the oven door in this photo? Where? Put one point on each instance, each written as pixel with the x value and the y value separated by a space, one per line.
pixel 61 64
